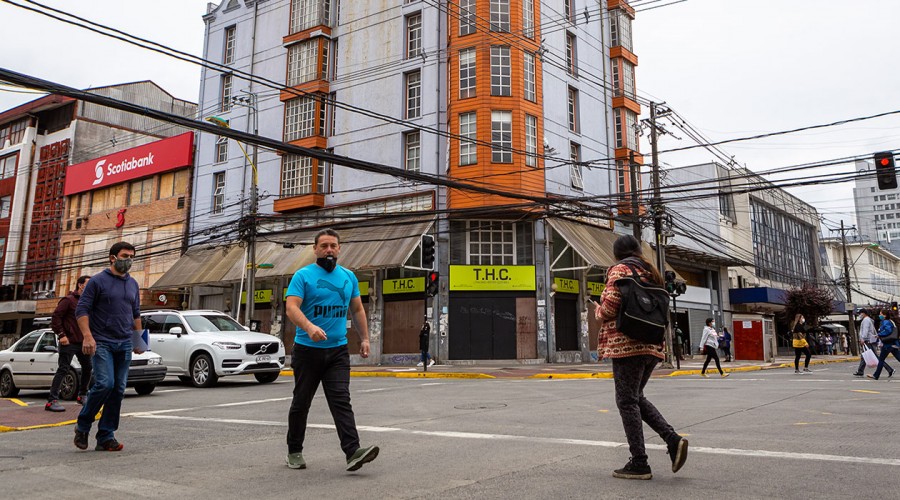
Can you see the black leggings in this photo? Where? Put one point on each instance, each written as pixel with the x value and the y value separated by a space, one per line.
pixel 797 352
pixel 710 355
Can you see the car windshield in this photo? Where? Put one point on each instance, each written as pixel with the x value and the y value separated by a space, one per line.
pixel 213 323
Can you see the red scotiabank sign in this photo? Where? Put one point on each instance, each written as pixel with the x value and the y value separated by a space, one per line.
pixel 153 158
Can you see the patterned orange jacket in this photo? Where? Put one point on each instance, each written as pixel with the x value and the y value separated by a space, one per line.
pixel 613 343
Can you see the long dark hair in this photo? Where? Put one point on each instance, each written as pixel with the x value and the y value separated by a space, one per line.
pixel 628 246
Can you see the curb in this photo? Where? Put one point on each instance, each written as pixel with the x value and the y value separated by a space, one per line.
pixel 570 375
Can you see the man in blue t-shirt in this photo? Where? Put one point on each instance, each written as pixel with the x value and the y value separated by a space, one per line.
pixel 318 299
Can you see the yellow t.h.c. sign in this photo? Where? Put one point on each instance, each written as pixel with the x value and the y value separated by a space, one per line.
pixel 565 285
pixel 492 278
pixel 403 285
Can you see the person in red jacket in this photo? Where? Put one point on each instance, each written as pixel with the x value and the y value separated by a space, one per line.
pixel 66 328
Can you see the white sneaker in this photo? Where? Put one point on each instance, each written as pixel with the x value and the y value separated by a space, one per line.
pixel 419 363
pixel 431 362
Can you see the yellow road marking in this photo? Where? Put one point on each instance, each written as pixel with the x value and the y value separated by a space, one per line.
pixel 603 411
pixel 865 391
pixel 17 401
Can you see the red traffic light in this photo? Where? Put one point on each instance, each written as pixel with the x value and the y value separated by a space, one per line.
pixel 884 162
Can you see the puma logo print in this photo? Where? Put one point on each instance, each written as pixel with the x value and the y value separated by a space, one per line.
pixel 340 291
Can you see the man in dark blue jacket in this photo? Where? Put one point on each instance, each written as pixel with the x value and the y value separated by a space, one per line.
pixel 108 312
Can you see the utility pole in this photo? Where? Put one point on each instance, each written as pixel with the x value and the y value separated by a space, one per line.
pixel 254 208
pixel 658 215
pixel 635 206
pixel 847 288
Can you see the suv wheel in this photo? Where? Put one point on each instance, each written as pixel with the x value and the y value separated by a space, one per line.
pixel 8 388
pixel 267 377
pixel 68 389
pixel 144 389
pixel 203 373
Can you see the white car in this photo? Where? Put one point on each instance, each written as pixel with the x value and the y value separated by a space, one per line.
pixel 31 362
pixel 201 346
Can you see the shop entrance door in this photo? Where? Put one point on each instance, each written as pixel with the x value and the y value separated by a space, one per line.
pixel 566 322
pixel 482 328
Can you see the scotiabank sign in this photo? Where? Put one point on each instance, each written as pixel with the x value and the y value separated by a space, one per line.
pixel 153 158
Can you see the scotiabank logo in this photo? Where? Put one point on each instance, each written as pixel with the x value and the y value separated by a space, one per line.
pixel 125 166
pixel 99 171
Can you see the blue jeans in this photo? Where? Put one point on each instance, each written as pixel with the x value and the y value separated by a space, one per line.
pixel 886 349
pixel 111 362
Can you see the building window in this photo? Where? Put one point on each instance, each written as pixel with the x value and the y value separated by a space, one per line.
pixel 782 245
pixel 221 149
pixel 616 81
pixel 466 17
pixel 170 184
pixel 13 132
pixel 620 29
pixel 225 95
pixel 530 141
pixel 620 138
pixel 500 71
pixel 631 129
pixel 412 151
pixel 575 167
pixel 306 14
pixel 501 136
pixel 528 18
pixel 413 35
pixel 140 191
pixel 300 118
pixel 628 79
pixel 571 55
pixel 466 73
pixel 573 110
pixel 491 243
pixel 302 62
pixel 218 198
pixel 726 199
pixel 621 174
pixel 569 10
pixel 529 77
pixel 500 15
pixel 296 175
pixel 228 58
pixel 8 165
pixel 413 95
pixel 5 204
pixel 468 135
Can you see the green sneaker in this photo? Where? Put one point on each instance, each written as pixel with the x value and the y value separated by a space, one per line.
pixel 295 461
pixel 360 457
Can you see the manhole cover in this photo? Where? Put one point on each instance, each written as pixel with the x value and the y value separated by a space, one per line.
pixel 480 406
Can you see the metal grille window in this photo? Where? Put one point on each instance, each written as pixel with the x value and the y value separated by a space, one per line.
pixel 413 94
pixel 573 109
pixel 218 198
pixel 302 62
pixel 575 167
pixel 530 141
pixel 228 58
pixel 299 118
pixel 468 134
pixel 412 151
pixel 296 175
pixel 500 15
pixel 466 73
pixel 620 29
pixel 491 243
pixel 466 17
pixel 221 149
pixel 306 14
pixel 529 77
pixel 226 93
pixel 413 35
pixel 571 61
pixel 501 136
pixel 500 70
pixel 528 18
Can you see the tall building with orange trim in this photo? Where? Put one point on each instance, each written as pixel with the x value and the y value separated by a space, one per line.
pixel 529 104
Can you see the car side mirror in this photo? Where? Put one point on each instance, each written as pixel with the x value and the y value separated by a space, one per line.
pixel 176 330
pixel 50 348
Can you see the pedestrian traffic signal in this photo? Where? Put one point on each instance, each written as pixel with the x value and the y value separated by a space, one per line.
pixel 427 251
pixel 432 283
pixel 884 170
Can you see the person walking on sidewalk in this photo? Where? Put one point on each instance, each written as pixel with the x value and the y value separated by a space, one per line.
pixel 725 343
pixel 318 299
pixel 799 342
pixel 632 364
pixel 710 342
pixel 867 338
pixel 65 326
pixel 108 312
pixel 888 334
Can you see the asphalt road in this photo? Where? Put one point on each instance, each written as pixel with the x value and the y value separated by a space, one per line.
pixel 763 434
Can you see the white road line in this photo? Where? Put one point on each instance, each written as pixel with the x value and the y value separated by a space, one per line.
pixel 578 442
pixel 172 390
pixel 372 390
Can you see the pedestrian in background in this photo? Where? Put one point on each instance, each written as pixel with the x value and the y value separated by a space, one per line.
pixel 725 343
pixel 845 346
pixel 888 334
pixel 318 299
pixel 801 345
pixel 65 326
pixel 709 342
pixel 867 338
pixel 829 344
pixel 108 313
pixel 632 363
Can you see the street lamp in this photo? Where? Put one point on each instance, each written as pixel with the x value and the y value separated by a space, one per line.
pixel 251 230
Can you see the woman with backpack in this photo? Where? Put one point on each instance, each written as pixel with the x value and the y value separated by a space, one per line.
pixel 888 335
pixel 801 346
pixel 709 342
pixel 632 363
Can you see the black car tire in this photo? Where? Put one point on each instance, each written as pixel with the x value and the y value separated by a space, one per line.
pixel 68 388
pixel 267 377
pixel 203 372
pixel 185 379
pixel 8 388
pixel 144 389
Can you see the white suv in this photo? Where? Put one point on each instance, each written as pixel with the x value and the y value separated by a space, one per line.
pixel 201 346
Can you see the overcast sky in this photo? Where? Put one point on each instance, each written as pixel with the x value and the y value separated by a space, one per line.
pixel 732 68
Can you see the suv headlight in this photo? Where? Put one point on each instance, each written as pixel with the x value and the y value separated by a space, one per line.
pixel 154 361
pixel 281 345
pixel 227 346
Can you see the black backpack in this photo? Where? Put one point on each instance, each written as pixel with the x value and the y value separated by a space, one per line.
pixel 644 309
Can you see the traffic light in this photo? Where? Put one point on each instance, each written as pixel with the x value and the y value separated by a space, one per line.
pixel 674 287
pixel 884 170
pixel 427 251
pixel 432 283
pixel 894 307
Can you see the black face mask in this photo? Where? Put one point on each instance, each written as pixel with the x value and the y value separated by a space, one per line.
pixel 327 263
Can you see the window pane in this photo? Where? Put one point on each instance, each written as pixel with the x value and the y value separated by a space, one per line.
pixel 466 73
pixel 500 15
pixel 413 35
pixel 529 77
pixel 228 58
pixel 467 130
pixel 500 70
pixel 413 94
pixel 530 141
pixel 413 152
pixel 528 18
pixel 302 58
pixel 466 17
pixel 501 136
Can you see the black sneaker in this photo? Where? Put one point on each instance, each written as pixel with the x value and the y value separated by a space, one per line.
pixel 857 374
pixel 110 445
pixel 80 399
pixel 634 470
pixel 81 440
pixel 678 453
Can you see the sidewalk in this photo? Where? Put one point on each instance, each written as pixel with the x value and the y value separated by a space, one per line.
pixel 512 369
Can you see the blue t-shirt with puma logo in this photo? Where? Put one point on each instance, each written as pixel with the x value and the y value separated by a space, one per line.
pixel 326 300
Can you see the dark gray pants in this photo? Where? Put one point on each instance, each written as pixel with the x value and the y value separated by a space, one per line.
pixel 630 376
pixel 862 363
